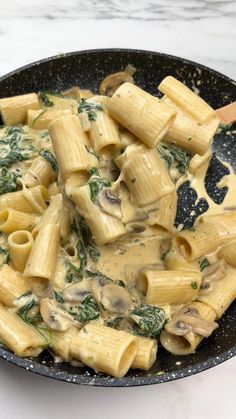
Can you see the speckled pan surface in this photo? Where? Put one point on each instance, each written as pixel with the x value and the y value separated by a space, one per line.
pixel 87 69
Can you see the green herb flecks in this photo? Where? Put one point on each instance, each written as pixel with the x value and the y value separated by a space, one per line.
pixel 16 147
pixel 58 297
pixel 37 117
pixel 88 242
pixel 204 263
pixel 46 334
pixel 72 273
pixel 175 159
pixel 48 101
pixel 113 322
pixel 8 180
pixel 91 108
pixel 225 127
pixel 85 248
pixel 96 184
pixel 194 285
pixel 93 171
pixel 47 155
pixel 26 312
pixel 87 310
pixel 149 320
pixel 5 255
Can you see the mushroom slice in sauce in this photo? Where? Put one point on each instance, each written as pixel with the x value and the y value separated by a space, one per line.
pixel 97 285
pixel 115 298
pixel 212 274
pixel 77 292
pixel 188 320
pixel 111 83
pixel 55 317
pixel 110 203
pixel 136 227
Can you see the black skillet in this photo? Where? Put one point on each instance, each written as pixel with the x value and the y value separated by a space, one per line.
pixel 87 69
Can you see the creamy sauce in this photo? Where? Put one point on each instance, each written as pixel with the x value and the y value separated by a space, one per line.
pixel 99 282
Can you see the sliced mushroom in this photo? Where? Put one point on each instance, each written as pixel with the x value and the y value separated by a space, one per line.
pixel 212 274
pixel 110 202
pixel 97 285
pixel 55 317
pixel 188 320
pixel 77 292
pixel 136 227
pixel 111 83
pixel 115 298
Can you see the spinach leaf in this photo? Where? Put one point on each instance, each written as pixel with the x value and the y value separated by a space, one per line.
pixel 58 297
pixel 8 180
pixel 85 246
pixel 88 310
pixel 113 322
pixel 15 147
pixel 6 255
pixel 71 271
pixel 149 320
pixel 204 263
pixel 174 158
pixel 45 99
pixel 96 184
pixel 91 109
pixel 45 333
pixel 24 311
pixel 88 241
pixel 50 158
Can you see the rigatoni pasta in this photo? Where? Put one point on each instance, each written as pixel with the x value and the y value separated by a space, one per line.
pixel 96 266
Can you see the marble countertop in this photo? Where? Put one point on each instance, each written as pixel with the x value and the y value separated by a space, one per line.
pixel 201 30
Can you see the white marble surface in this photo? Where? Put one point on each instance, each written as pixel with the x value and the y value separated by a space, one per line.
pixel 200 30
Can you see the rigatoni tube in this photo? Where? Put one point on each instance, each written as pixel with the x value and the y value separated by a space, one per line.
pixel 21 338
pixel 20 244
pixel 14 109
pixel 104 349
pixel 224 224
pixel 186 344
pixel 104 227
pixel 228 253
pixel 169 287
pixel 61 342
pixel 12 285
pixel 141 113
pixel 197 242
pixel 164 217
pixel 12 220
pixel 30 200
pixel 146 353
pixel 39 173
pixel 223 293
pixel 41 118
pixel 184 97
pixel 186 132
pixel 43 257
pixel 52 215
pixel 144 174
pixel 69 143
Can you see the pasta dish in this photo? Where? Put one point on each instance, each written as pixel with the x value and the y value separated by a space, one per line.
pixel 94 267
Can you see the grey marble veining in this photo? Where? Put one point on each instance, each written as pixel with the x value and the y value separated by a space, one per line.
pixel 164 10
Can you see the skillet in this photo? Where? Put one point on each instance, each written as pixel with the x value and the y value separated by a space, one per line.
pixel 87 69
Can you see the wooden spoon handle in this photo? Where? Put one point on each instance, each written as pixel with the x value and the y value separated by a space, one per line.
pixel 227 114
